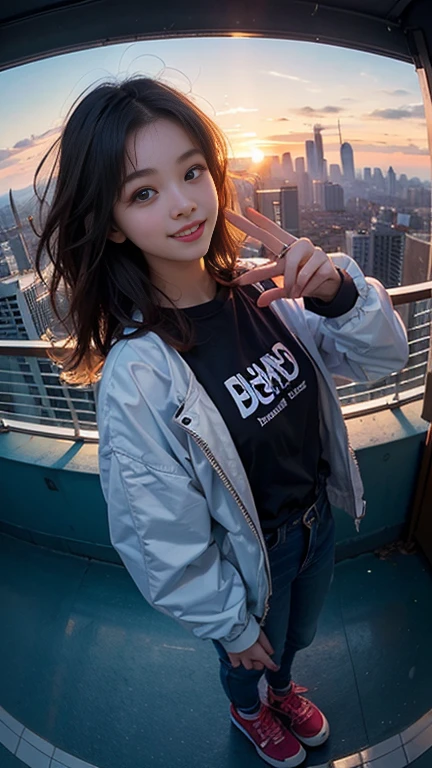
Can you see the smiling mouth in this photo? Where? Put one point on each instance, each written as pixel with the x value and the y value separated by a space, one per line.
pixel 187 232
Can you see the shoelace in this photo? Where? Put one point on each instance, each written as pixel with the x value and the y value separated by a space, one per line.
pixel 268 728
pixel 296 707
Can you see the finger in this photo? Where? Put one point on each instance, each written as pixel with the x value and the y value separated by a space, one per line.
pixel 265 642
pixel 260 273
pixel 317 261
pixel 235 661
pixel 247 663
pixel 262 656
pixel 269 226
pixel 267 297
pixel 258 665
pixel 297 256
pixel 274 244
pixel 315 286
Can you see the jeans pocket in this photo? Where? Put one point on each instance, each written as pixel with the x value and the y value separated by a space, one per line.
pixel 272 539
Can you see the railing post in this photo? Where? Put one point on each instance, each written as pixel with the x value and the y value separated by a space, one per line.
pixel 74 415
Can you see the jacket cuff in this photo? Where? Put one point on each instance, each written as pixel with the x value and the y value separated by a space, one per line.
pixel 344 300
pixel 248 637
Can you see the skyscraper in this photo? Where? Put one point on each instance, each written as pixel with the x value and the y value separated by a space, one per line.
pixel 358 247
pixel 311 159
pixel 367 175
pixel 347 160
pixel 268 200
pixel 329 196
pixel 378 179
pixel 319 149
pixel 287 166
pixel 387 252
pixel 300 166
pixel 335 173
pixel 333 197
pixel 289 209
pixel 304 184
pixel 391 181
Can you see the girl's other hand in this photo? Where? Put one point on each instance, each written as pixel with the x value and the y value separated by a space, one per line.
pixel 304 270
pixel 255 657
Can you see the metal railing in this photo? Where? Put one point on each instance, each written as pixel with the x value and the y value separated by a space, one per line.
pixel 34 400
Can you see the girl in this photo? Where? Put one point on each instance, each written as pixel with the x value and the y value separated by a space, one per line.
pixel 222 442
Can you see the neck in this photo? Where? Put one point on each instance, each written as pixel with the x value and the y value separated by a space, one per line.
pixel 185 283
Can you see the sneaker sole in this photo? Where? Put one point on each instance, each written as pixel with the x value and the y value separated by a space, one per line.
pixel 290 762
pixel 314 741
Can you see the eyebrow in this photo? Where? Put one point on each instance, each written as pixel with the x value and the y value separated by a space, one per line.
pixel 150 171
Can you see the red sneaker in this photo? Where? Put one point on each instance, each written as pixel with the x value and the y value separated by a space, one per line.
pixel 303 718
pixel 274 743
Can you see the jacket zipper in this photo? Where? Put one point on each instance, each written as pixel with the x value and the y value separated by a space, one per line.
pixel 218 469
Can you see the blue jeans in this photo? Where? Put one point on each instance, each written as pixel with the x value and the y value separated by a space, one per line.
pixel 301 554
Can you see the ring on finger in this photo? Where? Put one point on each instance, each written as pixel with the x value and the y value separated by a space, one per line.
pixel 284 250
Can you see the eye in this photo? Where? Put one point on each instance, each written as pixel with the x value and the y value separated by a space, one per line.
pixel 144 194
pixel 197 169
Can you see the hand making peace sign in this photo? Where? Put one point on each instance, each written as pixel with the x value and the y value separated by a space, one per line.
pixel 306 270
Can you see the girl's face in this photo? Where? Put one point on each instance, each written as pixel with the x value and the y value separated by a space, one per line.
pixel 167 188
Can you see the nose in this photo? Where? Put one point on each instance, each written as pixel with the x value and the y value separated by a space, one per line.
pixel 181 204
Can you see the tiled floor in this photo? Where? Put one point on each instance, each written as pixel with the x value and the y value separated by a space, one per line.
pixel 88 666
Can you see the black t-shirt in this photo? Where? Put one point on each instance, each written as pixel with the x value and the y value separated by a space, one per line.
pixel 265 387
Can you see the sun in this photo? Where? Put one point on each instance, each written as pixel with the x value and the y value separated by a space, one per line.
pixel 257 155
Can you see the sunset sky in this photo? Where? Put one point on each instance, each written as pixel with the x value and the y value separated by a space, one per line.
pixel 265 94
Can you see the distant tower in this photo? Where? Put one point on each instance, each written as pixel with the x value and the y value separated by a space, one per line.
pixel 287 166
pixel 378 179
pixel 367 175
pixel 324 170
pixel 347 158
pixel 300 166
pixel 319 149
pixel 311 159
pixel 335 173
pixel 289 209
pixel 17 240
pixel 391 180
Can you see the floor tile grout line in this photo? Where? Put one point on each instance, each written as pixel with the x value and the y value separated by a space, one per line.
pixel 331 763
pixel 352 663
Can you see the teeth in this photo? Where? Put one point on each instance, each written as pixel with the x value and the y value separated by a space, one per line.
pixel 188 231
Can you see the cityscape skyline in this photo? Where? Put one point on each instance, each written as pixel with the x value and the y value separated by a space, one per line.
pixel 265 94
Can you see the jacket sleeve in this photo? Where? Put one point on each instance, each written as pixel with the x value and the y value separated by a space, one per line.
pixel 161 528
pixel 369 341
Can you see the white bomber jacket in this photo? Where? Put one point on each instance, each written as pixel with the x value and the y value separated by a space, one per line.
pixel 180 509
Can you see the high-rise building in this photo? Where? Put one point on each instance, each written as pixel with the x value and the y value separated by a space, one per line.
pixel 378 179
pixel 287 166
pixel 333 197
pixel 324 170
pixel 347 161
pixel 318 193
pixel 329 196
pixel 387 253
pixel 268 202
pixel 305 190
pixel 416 261
pixel 367 175
pixel 335 173
pixel 358 247
pixel 311 159
pixel 299 165
pixel 19 250
pixel 32 383
pixel 391 181
pixel 289 209
pixel 319 149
